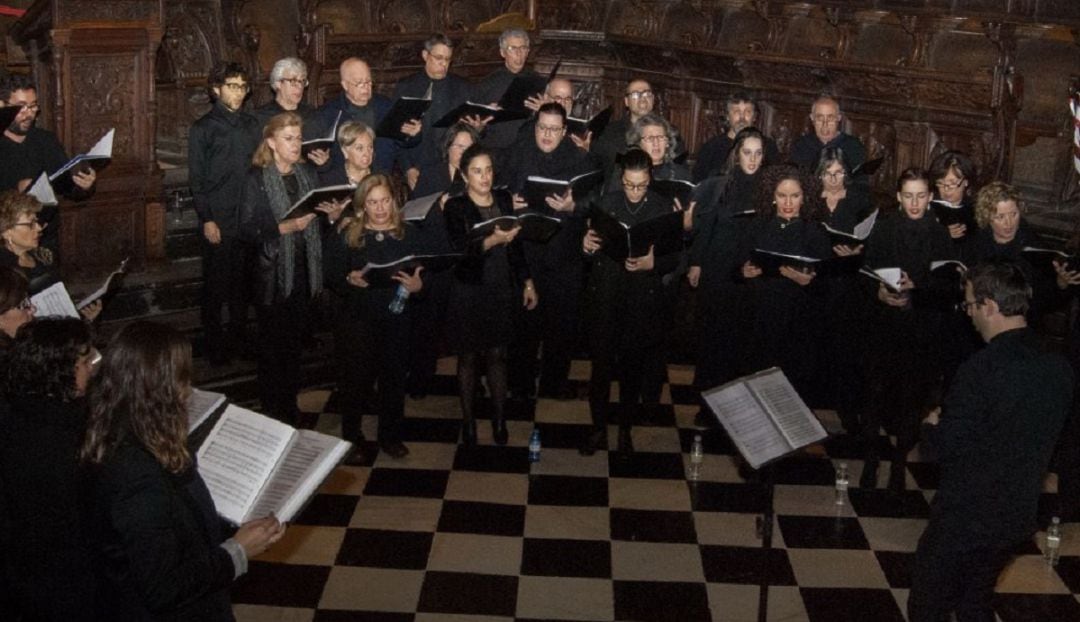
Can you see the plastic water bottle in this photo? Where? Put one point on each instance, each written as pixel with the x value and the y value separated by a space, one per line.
pixel 697 454
pixel 841 483
pixel 534 445
pixel 1053 541
pixel 397 305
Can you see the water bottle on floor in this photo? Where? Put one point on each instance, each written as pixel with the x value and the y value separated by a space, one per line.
pixel 1053 541
pixel 397 305
pixel 841 483
pixel 534 445
pixel 697 455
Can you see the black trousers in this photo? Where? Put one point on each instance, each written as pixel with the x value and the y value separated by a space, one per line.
pixel 223 265
pixel 377 361
pixel 555 323
pixel 953 576
pixel 632 367
pixel 428 323
pixel 282 327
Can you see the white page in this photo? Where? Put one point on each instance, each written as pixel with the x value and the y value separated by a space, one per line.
pixel 787 256
pixel 42 190
pixel 863 229
pixel 54 300
pixel 306 463
pixel 418 208
pixel 888 276
pixel 796 422
pixel 547 180
pixel 934 265
pixel 101 291
pixel 746 422
pixel 201 405
pixel 103 147
pixel 238 457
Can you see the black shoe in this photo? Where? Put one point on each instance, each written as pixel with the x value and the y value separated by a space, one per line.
pixel 468 433
pixel 597 439
pixel 626 441
pixel 359 455
pixel 394 449
pixel 498 431
pixel 561 394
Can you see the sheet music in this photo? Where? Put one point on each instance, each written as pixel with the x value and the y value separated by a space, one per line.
pixel 238 457
pixel 863 229
pixel 747 423
pixel 103 147
pixel 201 405
pixel 308 460
pixel 42 190
pixel 104 289
pixel 54 300
pixel 796 422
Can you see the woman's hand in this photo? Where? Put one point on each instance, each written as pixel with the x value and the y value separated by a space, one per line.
pixel 91 311
pixel 295 225
pixel 891 298
pixel 750 271
pixel 256 536
pixel 412 128
pixel 957 231
pixel 564 203
pixel 519 202
pixel 356 278
pixel 688 214
pixel 319 157
pixel 843 250
pixel 800 277
pixel 1065 277
pixel 529 298
pixel 591 242
pixel 332 209
pixel 412 282
pixel 641 264
pixel 501 236
pixel 694 275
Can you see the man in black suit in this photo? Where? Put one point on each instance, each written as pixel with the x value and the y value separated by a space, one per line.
pixel 514 49
pixel 828 131
pixel 993 437
pixel 741 112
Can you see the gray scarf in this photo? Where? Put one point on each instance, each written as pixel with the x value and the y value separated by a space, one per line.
pixel 279 205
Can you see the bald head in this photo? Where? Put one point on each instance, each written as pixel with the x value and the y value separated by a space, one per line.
pixel 356 81
pixel 561 91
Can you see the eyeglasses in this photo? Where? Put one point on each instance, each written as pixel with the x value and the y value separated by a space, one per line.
pixel 236 87
pixel 654 139
pixel 947 186
pixel 514 49
pixel 31 224
pixel 635 187
pixel 636 95
pixel 562 98
pixel 359 84
pixel 548 130
pixel 34 107
pixel 825 118
pixel 301 82
pixel 834 174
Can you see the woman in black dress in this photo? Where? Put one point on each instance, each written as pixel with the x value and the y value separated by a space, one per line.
pixel 378 350
pixel 165 553
pixel 778 311
pixel 907 328
pixel 714 259
pixel 655 136
pixel 952 175
pixel 488 282
pixel 289 270
pixel 625 306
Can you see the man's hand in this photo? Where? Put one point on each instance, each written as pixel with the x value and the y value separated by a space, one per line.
pixel 750 271
pixel 800 277
pixel 564 203
pixel 957 230
pixel 641 264
pixel 211 232
pixel 478 122
pixel 694 275
pixel 319 157
pixel 412 176
pixel 412 128
pixel 85 179
pixel 583 142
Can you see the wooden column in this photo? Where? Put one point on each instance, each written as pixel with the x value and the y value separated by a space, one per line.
pixel 93 61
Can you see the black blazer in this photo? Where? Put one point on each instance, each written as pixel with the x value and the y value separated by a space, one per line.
pixel 158 538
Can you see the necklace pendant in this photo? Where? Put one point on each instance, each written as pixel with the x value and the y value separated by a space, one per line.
pixel 379 236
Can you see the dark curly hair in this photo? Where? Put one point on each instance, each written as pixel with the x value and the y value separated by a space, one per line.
pixel 15 82
pixel 140 393
pixel 773 176
pixel 41 360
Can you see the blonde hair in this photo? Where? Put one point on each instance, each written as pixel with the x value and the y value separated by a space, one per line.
pixel 349 132
pixel 354 231
pixel 990 196
pixel 264 156
pixel 14 204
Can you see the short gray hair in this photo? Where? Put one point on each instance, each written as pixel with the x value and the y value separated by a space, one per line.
pixel 633 135
pixel 287 65
pixel 510 33
pixel 349 132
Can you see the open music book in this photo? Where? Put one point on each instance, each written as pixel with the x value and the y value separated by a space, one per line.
pixel 594 124
pixel 404 110
pixel 537 189
pixel 764 416
pixel 255 466
pixel 111 284
pixel 857 236
pixel 620 241
pixel 201 405
pixel 54 300
pixel 42 190
pixel 98 156
pixel 323 142
pixel 535 227
pixel 306 204
pixel 889 276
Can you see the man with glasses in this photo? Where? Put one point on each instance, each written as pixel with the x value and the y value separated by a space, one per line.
pixel 640 100
pixel 359 102
pixel 446 90
pixel 740 112
pixel 26 151
pixel 220 146
pixel 993 438
pixel 556 266
pixel 288 81
pixel 514 49
pixel 828 131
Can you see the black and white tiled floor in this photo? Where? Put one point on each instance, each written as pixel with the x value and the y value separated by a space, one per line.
pixel 482 535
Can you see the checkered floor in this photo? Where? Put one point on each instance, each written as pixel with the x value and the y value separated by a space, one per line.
pixel 479 534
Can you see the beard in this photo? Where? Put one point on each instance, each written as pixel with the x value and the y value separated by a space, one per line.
pixel 17 128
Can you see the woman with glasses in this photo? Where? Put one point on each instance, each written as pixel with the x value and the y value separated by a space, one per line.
pixel 490 280
pixel 907 326
pixel 289 270
pixel 378 337
pixel 952 175
pixel 776 308
pixel 844 205
pixel 163 549
pixel 656 137
pixel 714 262
pixel 48 565
pixel 624 305
pixel 21 231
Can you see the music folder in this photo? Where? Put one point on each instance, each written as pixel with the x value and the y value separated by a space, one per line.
pixel 405 109
pixel 764 416
pixel 948 214
pixel 621 241
pixel 857 236
pixel 473 109
pixel 323 142
pixel 306 204
pixel 535 227
pixel 770 262
pixel 8 114
pixel 98 156
pixel 418 208
pixel 890 277
pixel 672 189
pixel 538 189
pixel 594 124
pixel 382 274
pixel 1044 258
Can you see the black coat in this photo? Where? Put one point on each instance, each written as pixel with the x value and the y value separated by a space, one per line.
pixel 491 89
pixel 48 563
pixel 714 154
pixel 807 149
pixel 159 540
pixel 446 94
pixel 221 144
